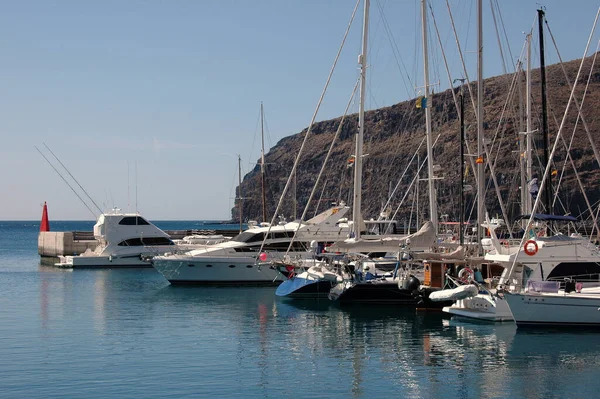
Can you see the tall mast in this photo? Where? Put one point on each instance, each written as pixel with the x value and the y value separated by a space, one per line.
pixel 548 186
pixel 356 204
pixel 528 158
pixel 480 155
pixel 430 180
pixel 262 164
pixel 462 165
pixel 240 198
pixel 521 140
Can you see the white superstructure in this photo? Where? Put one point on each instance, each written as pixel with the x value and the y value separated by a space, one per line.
pixel 236 261
pixel 124 240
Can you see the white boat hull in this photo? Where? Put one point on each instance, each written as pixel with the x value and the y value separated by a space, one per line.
pixel 214 270
pixel 481 307
pixel 557 309
pixel 104 262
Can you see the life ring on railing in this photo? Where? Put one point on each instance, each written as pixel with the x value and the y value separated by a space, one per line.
pixel 466 274
pixel 530 251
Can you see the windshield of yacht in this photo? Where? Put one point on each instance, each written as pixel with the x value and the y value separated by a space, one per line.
pixel 133 221
pixel 248 236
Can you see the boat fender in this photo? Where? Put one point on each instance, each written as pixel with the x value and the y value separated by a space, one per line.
pixel 413 283
pixel 466 274
pixel 530 250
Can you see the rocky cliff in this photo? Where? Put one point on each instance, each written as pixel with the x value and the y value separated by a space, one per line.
pixel 395 135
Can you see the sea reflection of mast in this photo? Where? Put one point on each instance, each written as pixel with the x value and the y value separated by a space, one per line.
pixel 100 288
pixel 263 318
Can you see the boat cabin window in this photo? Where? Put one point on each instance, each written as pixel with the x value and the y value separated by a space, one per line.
pixel 139 241
pixel 582 271
pixel 133 221
pixel 259 237
pixel 249 237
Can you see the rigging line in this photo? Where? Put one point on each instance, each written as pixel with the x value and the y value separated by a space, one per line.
pixel 418 172
pixel 551 156
pixel 412 209
pixel 592 233
pixel 254 139
pixel 498 37
pixel 321 196
pixel 568 148
pixel 331 147
pixel 407 191
pixel 450 81
pixel 512 89
pixel 491 166
pixel 585 125
pixel 395 51
pixel 267 130
pixel 462 60
pixel 504 29
pixel 293 171
pixel 509 97
pixel 136 191
pixel 403 174
pixel 72 177
pixel 466 77
pixel 65 180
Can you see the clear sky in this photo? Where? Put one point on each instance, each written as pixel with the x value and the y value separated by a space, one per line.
pixel 175 88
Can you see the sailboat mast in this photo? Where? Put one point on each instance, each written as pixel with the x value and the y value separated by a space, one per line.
pixel 262 164
pixel 548 188
pixel 529 160
pixel 240 198
pixel 462 166
pixel 480 155
pixel 521 138
pixel 356 204
pixel 430 180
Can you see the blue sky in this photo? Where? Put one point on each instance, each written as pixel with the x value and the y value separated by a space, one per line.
pixel 175 88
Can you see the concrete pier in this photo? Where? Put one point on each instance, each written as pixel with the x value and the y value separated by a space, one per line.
pixel 52 244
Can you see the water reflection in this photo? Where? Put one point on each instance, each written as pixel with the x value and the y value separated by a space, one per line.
pixel 260 341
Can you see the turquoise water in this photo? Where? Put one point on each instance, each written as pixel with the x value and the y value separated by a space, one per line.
pixel 129 334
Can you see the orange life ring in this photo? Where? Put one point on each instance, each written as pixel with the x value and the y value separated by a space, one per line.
pixel 529 251
pixel 466 274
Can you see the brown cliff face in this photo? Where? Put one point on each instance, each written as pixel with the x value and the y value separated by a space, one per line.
pixel 393 135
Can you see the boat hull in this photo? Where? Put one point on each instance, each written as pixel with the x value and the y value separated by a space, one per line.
pixel 304 288
pixel 214 271
pixel 387 292
pixel 481 307
pixel 557 309
pixel 104 262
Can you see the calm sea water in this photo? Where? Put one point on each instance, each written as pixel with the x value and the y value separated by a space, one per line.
pixel 129 334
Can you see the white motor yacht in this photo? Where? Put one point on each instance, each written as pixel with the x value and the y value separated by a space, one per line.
pixel 124 240
pixel 539 268
pixel 556 282
pixel 235 262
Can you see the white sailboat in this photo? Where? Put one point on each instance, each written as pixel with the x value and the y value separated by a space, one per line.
pixel 402 286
